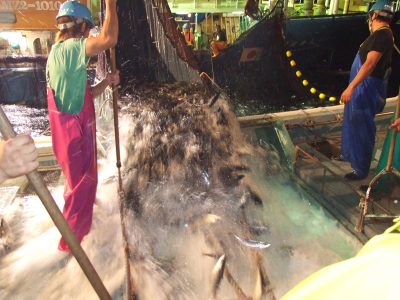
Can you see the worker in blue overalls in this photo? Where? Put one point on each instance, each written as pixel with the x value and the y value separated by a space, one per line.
pixel 365 95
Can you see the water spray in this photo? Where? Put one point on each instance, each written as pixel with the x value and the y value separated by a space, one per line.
pixel 121 195
pixel 44 195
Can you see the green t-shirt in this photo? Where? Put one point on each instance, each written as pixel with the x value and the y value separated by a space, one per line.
pixel 66 74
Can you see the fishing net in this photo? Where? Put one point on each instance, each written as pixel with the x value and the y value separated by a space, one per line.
pixel 171 45
pixel 149 47
pixel 254 70
pixel 152 48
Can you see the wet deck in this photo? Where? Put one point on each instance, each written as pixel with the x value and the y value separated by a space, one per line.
pixel 324 179
pixel 316 136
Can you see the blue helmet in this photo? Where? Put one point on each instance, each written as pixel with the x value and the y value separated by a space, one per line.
pixel 383 8
pixel 186 26
pixel 72 8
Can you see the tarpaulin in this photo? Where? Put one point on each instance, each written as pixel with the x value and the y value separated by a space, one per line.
pixel 371 275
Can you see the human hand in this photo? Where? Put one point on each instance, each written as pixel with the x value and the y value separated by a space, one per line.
pixel 113 78
pixel 346 95
pixel 396 124
pixel 18 156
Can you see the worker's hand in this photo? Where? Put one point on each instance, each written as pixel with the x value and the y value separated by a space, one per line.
pixel 396 124
pixel 346 95
pixel 18 156
pixel 113 78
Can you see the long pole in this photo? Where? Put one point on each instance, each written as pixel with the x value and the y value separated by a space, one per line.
pixel 129 287
pixel 41 190
pixel 393 139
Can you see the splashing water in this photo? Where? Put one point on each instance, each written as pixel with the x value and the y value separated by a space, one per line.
pixel 195 189
pixel 27 119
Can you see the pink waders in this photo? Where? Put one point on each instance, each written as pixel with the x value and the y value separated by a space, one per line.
pixel 74 144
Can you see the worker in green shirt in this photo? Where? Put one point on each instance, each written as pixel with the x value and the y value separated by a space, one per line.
pixel 71 107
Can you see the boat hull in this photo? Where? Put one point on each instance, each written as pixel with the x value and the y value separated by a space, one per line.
pixel 321 48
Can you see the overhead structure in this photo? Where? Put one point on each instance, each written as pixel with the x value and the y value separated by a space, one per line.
pixel 210 6
pixel 30 14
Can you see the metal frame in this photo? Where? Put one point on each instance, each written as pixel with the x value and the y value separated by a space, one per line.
pixel 364 201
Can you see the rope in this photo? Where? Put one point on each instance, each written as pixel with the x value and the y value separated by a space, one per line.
pixel 305 83
pixel 129 287
pixel 396 48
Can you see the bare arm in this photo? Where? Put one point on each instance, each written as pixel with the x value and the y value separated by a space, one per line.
pixel 366 69
pixel 111 79
pixel 18 156
pixel 108 36
pixel 396 124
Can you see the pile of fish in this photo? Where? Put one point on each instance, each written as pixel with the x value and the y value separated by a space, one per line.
pixel 185 170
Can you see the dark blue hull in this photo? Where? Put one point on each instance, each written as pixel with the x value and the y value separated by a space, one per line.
pixel 323 49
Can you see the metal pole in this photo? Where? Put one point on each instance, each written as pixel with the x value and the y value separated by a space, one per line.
pixel 336 7
pixel 393 140
pixel 327 3
pixel 308 7
pixel 207 25
pixel 41 189
pixel 333 8
pixel 346 7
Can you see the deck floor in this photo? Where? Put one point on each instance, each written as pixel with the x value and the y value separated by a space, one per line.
pixel 324 177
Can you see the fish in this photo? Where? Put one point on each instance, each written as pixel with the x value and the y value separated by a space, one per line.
pixel 3 228
pixel 206 177
pixel 252 243
pixel 217 275
pixel 259 229
pixel 5 237
pixel 202 222
pixel 258 288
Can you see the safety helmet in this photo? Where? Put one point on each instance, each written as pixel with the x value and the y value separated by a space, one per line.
pixel 72 8
pixel 186 26
pixel 384 8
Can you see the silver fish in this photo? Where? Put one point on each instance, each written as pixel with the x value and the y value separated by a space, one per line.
pixel 5 237
pixel 206 177
pixel 217 275
pixel 252 243
pixel 259 287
